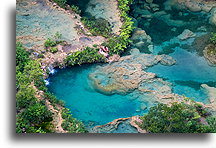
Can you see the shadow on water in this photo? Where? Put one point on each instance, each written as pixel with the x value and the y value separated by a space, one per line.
pixel 82 4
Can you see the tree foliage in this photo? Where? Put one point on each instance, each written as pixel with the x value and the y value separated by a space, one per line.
pixel 88 55
pixel 178 118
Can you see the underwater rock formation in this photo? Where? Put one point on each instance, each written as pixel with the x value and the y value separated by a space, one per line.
pixel 207 6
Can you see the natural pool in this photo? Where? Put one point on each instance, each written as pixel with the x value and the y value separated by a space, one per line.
pixel 72 85
pixel 190 71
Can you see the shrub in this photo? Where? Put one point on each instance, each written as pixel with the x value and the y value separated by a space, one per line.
pixel 178 118
pixel 75 9
pixel 22 56
pixel 88 55
pixel 40 56
pixel 213 38
pixel 61 3
pixel 71 124
pixel 98 26
pixel 50 43
pixel 37 113
pixel 54 49
pixel 117 44
pixel 55 41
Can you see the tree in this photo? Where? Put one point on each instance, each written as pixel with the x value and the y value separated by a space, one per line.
pixel 178 118
pixel 37 113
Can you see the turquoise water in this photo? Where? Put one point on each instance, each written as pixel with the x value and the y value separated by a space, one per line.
pixel 72 86
pixel 190 71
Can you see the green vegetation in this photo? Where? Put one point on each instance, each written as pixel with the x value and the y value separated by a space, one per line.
pixel 75 9
pixel 70 124
pixel 32 114
pixel 53 49
pixel 61 3
pixel 53 42
pixel 178 118
pixel 213 38
pixel 98 26
pixel 88 55
pixel 22 56
pixel 212 48
pixel 118 44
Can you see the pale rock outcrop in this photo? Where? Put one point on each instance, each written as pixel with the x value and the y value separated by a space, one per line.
pixel 212 19
pixel 186 34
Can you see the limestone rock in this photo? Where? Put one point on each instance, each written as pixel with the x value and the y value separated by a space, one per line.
pixel 212 19
pixel 211 93
pixel 186 34
pixel 134 51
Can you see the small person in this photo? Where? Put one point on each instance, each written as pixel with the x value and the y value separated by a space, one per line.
pixel 104 51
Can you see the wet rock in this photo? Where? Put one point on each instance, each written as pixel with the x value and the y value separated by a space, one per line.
pixel 210 55
pixel 134 51
pixel 113 58
pixel 212 19
pixel 186 34
pixel 167 60
pixel 211 93
pixel 151 48
pixel 128 74
pixel 140 35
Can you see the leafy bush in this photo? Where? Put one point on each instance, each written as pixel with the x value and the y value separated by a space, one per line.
pixel 89 55
pixel 40 56
pixel 61 3
pixel 75 9
pixel 22 56
pixel 71 124
pixel 55 41
pixel 37 113
pixel 98 26
pixel 179 118
pixel 117 44
pixel 213 38
pixel 54 49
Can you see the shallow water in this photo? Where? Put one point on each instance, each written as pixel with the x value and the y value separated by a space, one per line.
pixel 190 71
